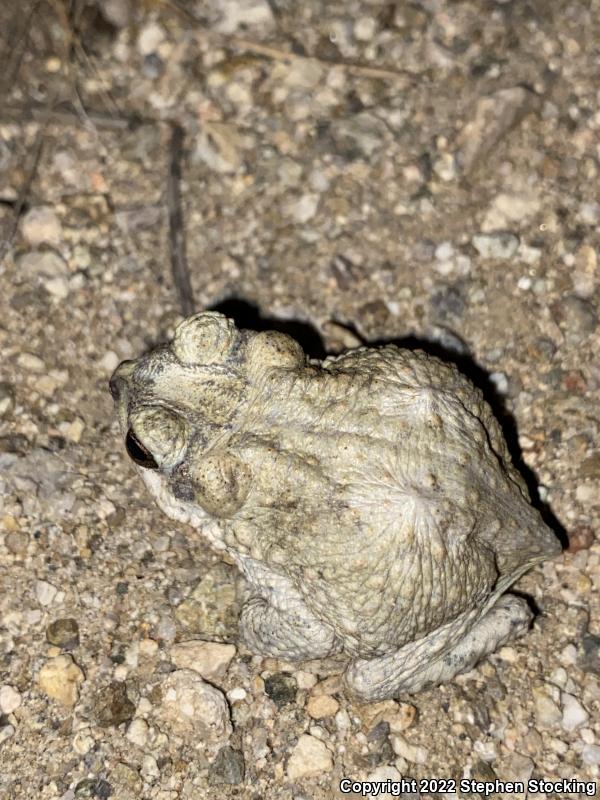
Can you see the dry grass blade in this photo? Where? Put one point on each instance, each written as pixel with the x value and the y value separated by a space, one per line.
pixel 275 53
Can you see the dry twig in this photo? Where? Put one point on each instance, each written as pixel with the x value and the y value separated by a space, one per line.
pixel 179 265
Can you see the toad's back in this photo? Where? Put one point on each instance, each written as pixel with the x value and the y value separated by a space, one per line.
pixel 414 513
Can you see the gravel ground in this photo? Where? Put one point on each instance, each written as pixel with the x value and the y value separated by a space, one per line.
pixel 357 171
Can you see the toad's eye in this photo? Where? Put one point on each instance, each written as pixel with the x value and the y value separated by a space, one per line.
pixel 138 453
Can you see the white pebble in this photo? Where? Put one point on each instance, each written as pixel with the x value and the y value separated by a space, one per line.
pixel 41 226
pixel 209 659
pixel 500 245
pixel 30 362
pixel 310 757
pixel 45 263
pixel 546 711
pixel 137 733
pixel 411 752
pixel 591 755
pixel 590 213
pixel 191 707
pixel 244 15
pixel 6 732
pixel 364 29
pixel 574 714
pixel 10 699
pixel 500 381
pixel 444 251
pixel 151 36
pixel 57 287
pixel 45 592
pixel 305 680
pixel 304 208
pixel 83 742
pixel 149 770
pixel 110 361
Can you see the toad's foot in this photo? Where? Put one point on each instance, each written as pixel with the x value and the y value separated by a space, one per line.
pixel 440 656
pixel 291 632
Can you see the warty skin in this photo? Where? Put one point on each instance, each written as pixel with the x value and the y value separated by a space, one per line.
pixel 369 499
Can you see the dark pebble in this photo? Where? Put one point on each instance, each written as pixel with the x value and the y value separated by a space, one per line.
pixel 93 788
pixel 281 689
pixel 589 654
pixel 113 706
pixel 63 633
pixel 228 767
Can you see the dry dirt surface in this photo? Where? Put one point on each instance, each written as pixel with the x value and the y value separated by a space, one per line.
pixel 423 172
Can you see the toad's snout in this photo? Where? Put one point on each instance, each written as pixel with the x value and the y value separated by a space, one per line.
pixel 118 380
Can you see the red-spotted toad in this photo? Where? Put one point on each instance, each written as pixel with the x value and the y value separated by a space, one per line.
pixel 369 499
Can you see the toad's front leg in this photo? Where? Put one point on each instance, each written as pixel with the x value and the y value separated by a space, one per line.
pixel 289 630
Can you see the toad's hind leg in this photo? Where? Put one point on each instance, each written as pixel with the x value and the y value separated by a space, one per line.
pixel 454 648
pixel 290 631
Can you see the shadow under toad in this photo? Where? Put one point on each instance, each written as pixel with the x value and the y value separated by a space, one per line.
pixel 447 347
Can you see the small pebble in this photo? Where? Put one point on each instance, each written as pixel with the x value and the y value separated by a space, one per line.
pixel 6 732
pixel 547 712
pixel 303 209
pixel 208 659
pixel 45 592
pixel 228 767
pixel 591 755
pixel 245 15
pixel 41 263
pixel 109 362
pixel 365 28
pixel 574 714
pixel 148 648
pixel 281 688
pixel 589 213
pixel 30 362
pixel 83 742
pixel 500 245
pixel 112 705
pixel 191 707
pixel 149 769
pixel 137 733
pixel 63 633
pixel 500 382
pixel 60 678
pixel 305 680
pixel 361 135
pixel 150 38
pixel 10 699
pixel 411 752
pixel 402 718
pixel 7 399
pixel 310 757
pixel 322 706
pixel 41 226
pixel 17 542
